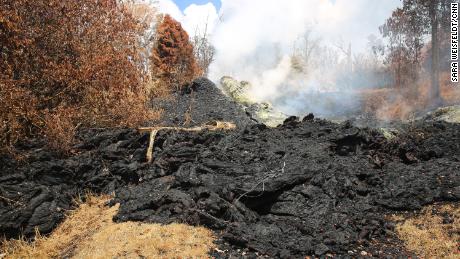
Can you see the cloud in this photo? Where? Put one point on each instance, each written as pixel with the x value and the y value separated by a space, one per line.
pixel 254 39
pixel 169 7
pixel 258 24
pixel 197 17
pixel 194 18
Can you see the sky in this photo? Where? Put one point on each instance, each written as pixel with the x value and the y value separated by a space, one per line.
pixel 183 4
pixel 194 15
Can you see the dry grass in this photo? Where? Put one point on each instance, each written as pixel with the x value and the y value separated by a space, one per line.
pixel 449 92
pixel 60 129
pixel 188 118
pixel 401 104
pixel 433 233
pixel 17 108
pixel 89 232
pixel 387 103
pixel 156 88
pixel 124 108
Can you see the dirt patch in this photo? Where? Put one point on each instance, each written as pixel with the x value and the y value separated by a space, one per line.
pixel 433 232
pixel 89 232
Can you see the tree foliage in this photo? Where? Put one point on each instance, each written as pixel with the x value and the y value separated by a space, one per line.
pixel 405 30
pixel 417 24
pixel 173 60
pixel 81 57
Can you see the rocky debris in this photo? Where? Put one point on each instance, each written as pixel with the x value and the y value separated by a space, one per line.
pixel 36 193
pixel 304 188
pixel 426 141
pixel 307 187
pixel 263 112
pixel 197 105
pixel 449 114
pixel 238 91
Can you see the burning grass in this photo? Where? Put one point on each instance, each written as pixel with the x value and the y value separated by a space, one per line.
pixel 89 232
pixel 433 233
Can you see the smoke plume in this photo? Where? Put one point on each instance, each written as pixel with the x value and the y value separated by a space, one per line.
pixel 301 55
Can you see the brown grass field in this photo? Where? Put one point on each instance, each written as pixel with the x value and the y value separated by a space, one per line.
pixel 432 233
pixel 89 232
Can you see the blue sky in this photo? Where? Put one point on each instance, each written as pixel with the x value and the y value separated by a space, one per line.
pixel 184 3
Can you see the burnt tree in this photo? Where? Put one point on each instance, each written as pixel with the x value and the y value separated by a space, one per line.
pixel 433 14
pixel 406 29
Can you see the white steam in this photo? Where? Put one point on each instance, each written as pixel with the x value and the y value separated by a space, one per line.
pixel 256 41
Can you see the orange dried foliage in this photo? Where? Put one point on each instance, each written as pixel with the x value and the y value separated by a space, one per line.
pixel 173 58
pixel 18 115
pixel 401 104
pixel 450 92
pixel 392 104
pixel 60 128
pixel 65 63
pixel 115 109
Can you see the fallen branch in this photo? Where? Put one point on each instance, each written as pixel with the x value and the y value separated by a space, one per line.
pixel 270 176
pixel 218 125
pixel 11 202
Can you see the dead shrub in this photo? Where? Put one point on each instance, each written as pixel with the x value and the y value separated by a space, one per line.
pixel 19 117
pixel 117 108
pixel 173 58
pixel 66 63
pixel 204 51
pixel 157 88
pixel 60 129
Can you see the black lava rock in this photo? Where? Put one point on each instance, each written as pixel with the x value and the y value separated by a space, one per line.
pixel 304 188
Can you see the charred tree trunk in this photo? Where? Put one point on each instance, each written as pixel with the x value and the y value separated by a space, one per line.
pixel 435 93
